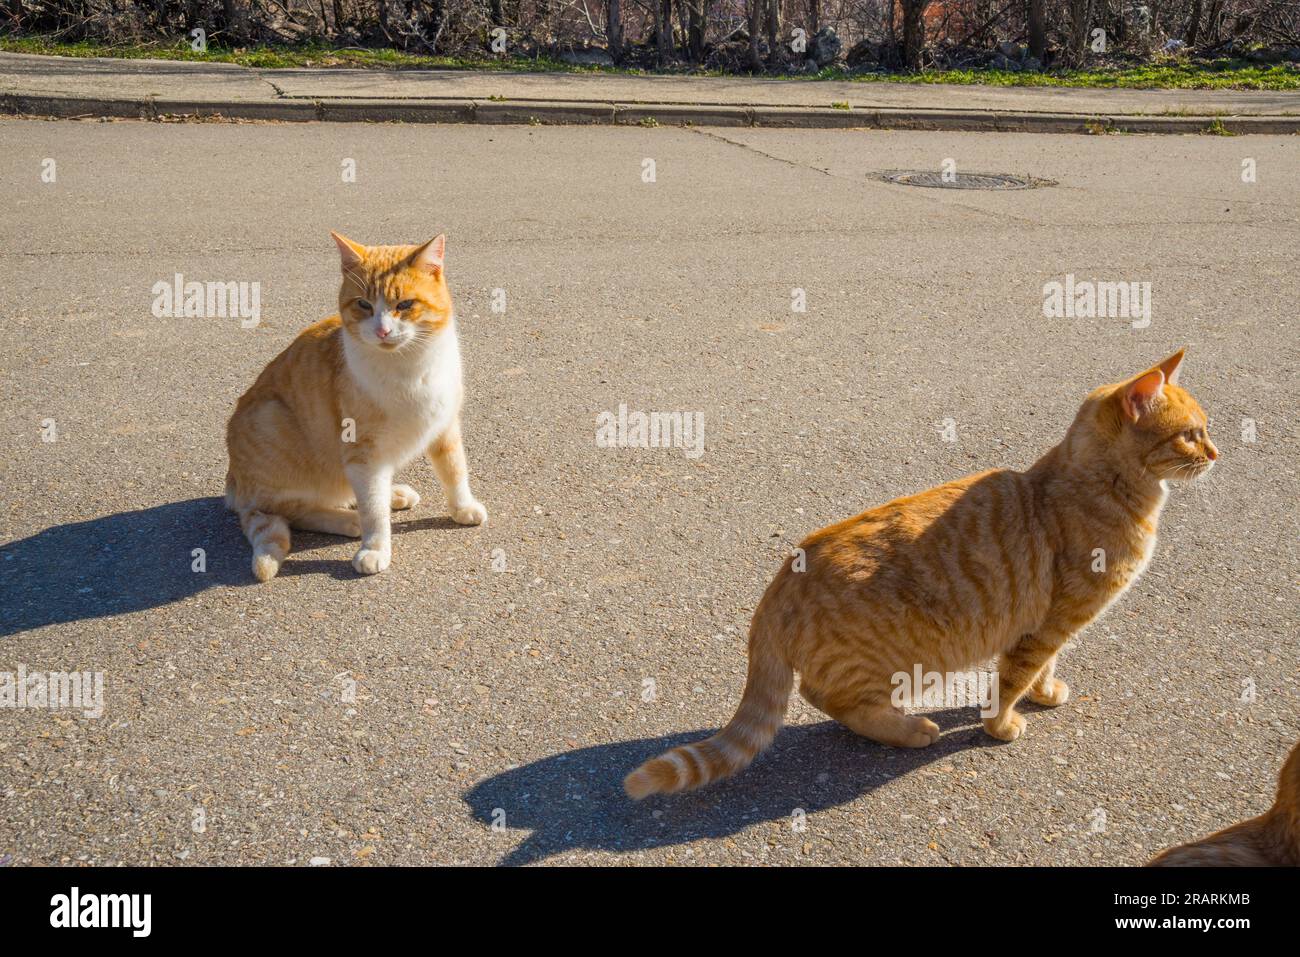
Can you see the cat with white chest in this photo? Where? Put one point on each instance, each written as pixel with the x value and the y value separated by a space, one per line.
pixel 316 441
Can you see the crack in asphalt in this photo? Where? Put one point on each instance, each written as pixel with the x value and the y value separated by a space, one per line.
pixel 271 83
pixel 754 149
pixel 853 179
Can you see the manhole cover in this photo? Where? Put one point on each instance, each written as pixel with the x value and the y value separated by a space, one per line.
pixel 954 180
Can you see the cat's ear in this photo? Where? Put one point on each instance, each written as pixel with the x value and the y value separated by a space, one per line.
pixel 1171 366
pixel 428 258
pixel 1138 396
pixel 352 253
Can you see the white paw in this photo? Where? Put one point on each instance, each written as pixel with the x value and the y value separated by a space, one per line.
pixel 472 514
pixel 371 561
pixel 404 497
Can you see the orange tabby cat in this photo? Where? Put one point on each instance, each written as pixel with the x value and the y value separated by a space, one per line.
pixel 1270 840
pixel 999 563
pixel 315 442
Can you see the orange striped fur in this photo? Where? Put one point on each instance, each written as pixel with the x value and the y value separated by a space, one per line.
pixel 1270 840
pixel 999 563
pixel 316 440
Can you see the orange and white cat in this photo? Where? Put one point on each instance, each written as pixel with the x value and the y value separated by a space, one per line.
pixel 315 442
pixel 1270 840
pixel 1000 563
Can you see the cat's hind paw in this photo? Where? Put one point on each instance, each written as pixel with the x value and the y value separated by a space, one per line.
pixel 1055 693
pixel 924 732
pixel 404 497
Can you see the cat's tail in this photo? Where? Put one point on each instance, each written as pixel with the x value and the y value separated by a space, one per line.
pixel 267 532
pixel 1285 813
pixel 269 536
pixel 1270 840
pixel 757 720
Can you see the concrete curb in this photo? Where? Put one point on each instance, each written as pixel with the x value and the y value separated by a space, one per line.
pixel 680 114
pixel 530 112
pixel 392 111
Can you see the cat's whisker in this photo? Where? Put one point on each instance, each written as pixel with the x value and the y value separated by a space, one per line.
pixel 356 276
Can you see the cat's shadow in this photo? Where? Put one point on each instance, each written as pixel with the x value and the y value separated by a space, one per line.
pixel 574 801
pixel 136 560
pixel 304 542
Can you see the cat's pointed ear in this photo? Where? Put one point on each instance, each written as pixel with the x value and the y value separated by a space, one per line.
pixel 428 258
pixel 352 253
pixel 1171 366
pixel 1138 396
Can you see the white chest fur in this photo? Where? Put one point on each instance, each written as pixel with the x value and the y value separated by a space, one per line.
pixel 416 392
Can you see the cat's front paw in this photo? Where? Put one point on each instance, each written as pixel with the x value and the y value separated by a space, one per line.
pixel 1055 692
pixel 471 513
pixel 372 561
pixel 1005 727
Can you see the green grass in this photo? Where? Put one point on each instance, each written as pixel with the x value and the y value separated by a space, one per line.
pixel 1211 75
pixel 284 57
pixel 1216 128
pixel 1168 74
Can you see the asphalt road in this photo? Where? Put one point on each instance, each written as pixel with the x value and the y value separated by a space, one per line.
pixel 516 697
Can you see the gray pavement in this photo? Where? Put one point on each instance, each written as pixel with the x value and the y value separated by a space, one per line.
pixel 517 697
pixel 73 87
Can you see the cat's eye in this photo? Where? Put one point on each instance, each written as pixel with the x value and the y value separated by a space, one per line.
pixel 405 304
pixel 362 304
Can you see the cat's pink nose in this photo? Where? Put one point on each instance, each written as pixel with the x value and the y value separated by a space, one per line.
pixel 382 333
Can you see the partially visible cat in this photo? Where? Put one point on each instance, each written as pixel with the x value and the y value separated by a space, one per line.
pixel 1270 840
pixel 999 563
pixel 315 441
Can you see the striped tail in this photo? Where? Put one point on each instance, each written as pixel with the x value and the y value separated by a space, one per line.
pixel 269 536
pixel 757 720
